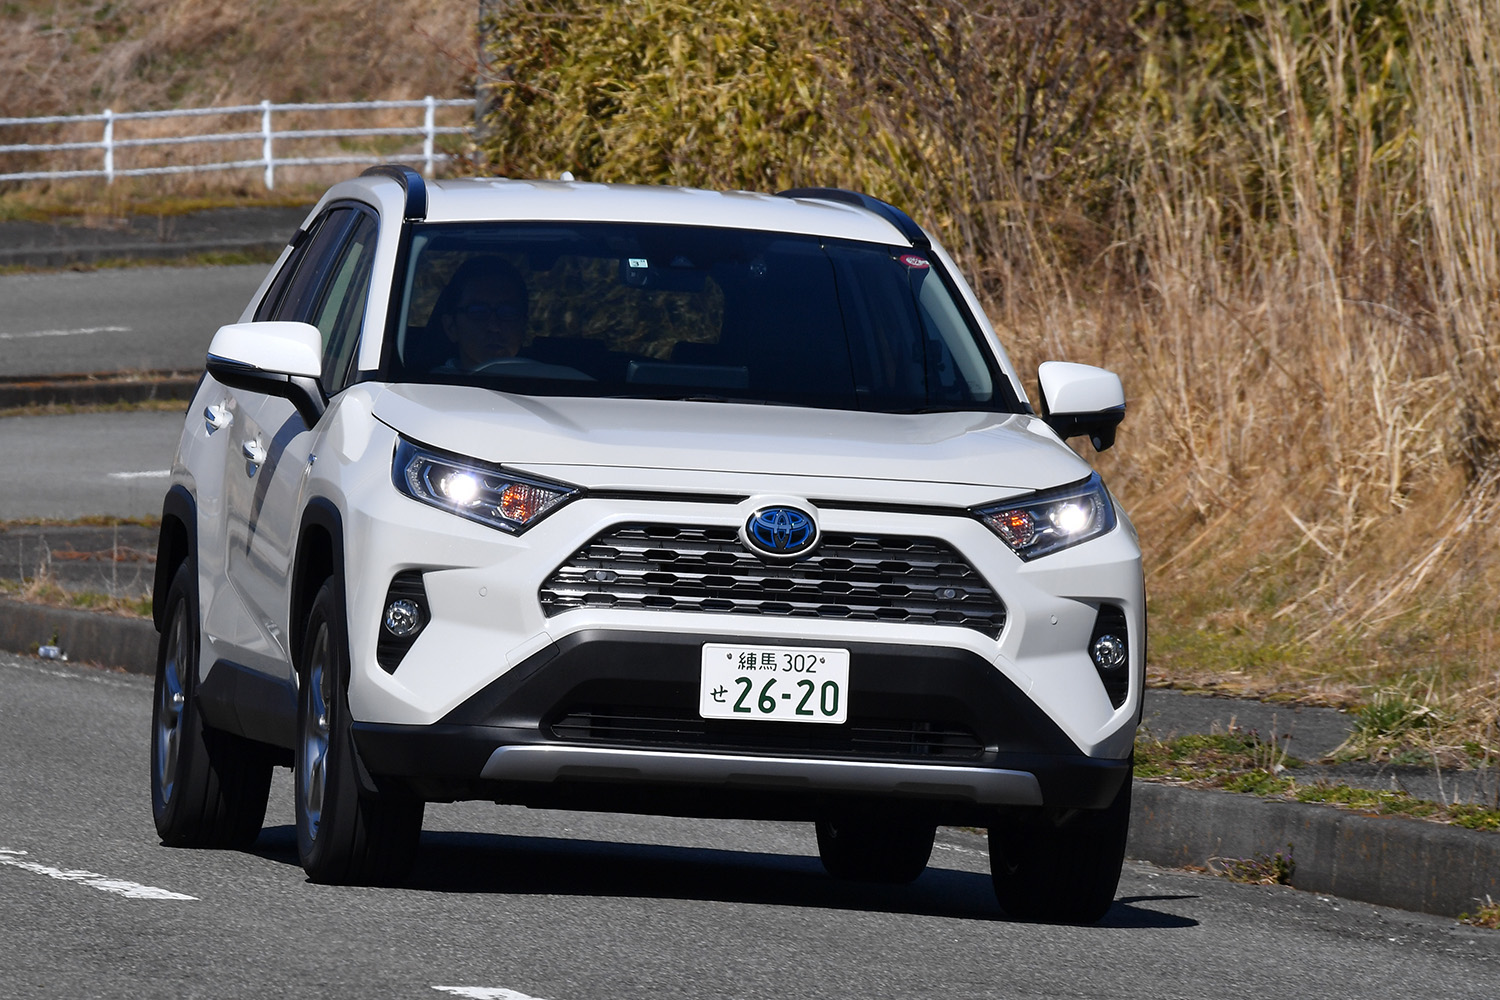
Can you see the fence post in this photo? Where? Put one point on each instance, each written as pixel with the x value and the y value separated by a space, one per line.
pixel 429 125
pixel 109 146
pixel 265 129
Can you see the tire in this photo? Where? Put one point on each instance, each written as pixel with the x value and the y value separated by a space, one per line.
pixel 345 834
pixel 208 788
pixel 875 848
pixel 1062 872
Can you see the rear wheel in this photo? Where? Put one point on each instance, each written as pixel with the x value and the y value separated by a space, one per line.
pixel 874 848
pixel 1063 870
pixel 208 788
pixel 345 833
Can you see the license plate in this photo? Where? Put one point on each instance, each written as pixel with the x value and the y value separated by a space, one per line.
pixel 774 683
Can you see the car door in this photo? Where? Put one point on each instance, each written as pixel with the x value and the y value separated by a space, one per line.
pixel 232 630
pixel 329 288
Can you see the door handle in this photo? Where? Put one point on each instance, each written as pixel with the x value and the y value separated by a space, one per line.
pixel 254 452
pixel 217 417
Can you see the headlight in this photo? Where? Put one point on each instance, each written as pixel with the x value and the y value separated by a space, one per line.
pixel 1046 522
pixel 481 492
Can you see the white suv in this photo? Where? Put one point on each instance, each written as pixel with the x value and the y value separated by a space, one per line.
pixel 651 500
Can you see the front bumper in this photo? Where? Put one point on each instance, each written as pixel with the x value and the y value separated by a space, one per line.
pixel 607 720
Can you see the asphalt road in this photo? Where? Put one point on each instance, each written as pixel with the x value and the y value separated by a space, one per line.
pixel 577 906
pixel 152 318
pixel 125 319
pixel 82 464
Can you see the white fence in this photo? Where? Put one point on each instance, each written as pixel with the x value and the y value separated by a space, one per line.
pixel 266 135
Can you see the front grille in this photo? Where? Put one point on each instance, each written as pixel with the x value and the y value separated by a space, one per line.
pixel 856 577
pixel 889 739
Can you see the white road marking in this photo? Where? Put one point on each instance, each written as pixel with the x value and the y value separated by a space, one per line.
pixel 79 331
pixel 484 993
pixel 148 474
pixel 961 850
pixel 130 890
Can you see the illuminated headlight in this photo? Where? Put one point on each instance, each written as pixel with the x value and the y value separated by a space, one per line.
pixel 1046 522
pixel 481 492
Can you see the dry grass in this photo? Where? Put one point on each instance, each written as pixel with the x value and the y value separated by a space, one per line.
pixel 48 592
pixel 1320 499
pixel 43 588
pixel 1263 869
pixel 1487 915
pixel 77 57
pixel 1298 277
pixel 140 55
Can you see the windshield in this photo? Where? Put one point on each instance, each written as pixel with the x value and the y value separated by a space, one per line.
pixel 653 311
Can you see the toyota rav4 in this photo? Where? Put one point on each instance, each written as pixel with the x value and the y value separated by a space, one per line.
pixel 644 499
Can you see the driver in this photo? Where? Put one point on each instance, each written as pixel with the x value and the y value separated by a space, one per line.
pixel 487 312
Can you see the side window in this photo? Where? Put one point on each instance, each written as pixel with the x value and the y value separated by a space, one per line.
pixel 341 307
pixel 302 291
pixel 270 306
pixel 277 291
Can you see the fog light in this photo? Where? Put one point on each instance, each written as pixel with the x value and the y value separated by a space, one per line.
pixel 1109 652
pixel 403 618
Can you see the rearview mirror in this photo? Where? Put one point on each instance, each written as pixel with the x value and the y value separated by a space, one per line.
pixel 275 358
pixel 1081 399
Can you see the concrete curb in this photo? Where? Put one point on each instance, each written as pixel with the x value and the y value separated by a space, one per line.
pixel 64 256
pixel 86 636
pixel 1390 861
pixel 1408 864
pixel 92 390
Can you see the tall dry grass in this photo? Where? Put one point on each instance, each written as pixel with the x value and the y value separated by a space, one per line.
pixel 1283 236
pixel 1314 364
pixel 138 55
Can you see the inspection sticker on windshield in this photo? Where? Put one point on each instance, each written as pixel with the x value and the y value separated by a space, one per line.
pixel 914 262
pixel 774 683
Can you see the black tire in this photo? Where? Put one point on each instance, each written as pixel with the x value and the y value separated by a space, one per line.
pixel 1062 871
pixel 346 835
pixel 208 788
pixel 875 848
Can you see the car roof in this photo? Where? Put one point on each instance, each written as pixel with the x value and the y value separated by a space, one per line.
pixel 505 199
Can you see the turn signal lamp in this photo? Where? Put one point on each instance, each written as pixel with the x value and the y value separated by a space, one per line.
pixel 1052 520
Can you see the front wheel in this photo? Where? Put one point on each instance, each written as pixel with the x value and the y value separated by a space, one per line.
pixel 875 848
pixel 208 788
pixel 345 834
pixel 1063 870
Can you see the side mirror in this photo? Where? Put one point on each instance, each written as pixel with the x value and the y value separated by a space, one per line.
pixel 1081 399
pixel 274 358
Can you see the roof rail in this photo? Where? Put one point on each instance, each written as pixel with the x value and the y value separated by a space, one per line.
pixel 903 222
pixel 411 182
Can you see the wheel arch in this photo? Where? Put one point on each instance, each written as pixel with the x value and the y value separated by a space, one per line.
pixel 320 555
pixel 177 541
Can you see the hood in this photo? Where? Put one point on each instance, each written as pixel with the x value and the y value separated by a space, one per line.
pixel 624 441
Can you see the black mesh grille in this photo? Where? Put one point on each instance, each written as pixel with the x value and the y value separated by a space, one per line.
pixel 898 739
pixel 657 567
